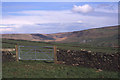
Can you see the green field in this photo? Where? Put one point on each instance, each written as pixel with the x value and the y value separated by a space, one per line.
pixel 47 69
pixel 41 69
pixel 72 46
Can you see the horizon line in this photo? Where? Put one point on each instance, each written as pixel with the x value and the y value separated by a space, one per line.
pixel 63 32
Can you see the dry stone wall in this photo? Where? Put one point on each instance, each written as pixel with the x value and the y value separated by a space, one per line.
pixel 8 56
pixel 97 60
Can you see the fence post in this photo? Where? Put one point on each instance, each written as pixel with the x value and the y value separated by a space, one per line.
pixel 16 48
pixel 55 56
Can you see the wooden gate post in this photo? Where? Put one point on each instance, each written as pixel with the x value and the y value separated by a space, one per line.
pixel 16 48
pixel 55 56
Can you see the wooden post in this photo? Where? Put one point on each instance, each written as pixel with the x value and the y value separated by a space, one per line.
pixel 55 56
pixel 16 48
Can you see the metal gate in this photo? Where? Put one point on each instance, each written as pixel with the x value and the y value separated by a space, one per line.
pixel 35 52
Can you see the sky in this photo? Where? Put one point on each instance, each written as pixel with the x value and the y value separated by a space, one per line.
pixel 55 17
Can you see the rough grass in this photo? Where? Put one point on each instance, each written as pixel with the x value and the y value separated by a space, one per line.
pixel 73 46
pixel 41 69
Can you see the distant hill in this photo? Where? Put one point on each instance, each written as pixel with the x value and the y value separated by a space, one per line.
pixel 105 36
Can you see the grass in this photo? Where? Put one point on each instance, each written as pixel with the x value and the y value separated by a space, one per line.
pixel 40 69
pixel 6 43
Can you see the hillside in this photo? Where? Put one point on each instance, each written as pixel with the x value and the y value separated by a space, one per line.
pixel 105 36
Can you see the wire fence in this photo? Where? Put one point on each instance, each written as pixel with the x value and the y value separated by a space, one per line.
pixel 35 52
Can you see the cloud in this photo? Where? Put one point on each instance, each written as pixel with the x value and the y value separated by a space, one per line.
pixel 5 29
pixel 44 21
pixel 106 10
pixel 2 26
pixel 79 21
pixel 41 17
pixel 82 9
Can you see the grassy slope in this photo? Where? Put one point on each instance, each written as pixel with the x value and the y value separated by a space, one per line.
pixel 106 36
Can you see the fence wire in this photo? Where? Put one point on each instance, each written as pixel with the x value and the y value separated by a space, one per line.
pixel 36 53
